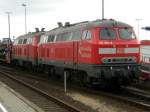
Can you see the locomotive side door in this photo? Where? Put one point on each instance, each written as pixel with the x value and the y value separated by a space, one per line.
pixel 85 48
pixel 75 52
pixel 76 35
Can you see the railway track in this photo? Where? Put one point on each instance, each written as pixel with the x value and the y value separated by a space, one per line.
pixel 129 95
pixel 139 98
pixel 59 102
pixel 138 92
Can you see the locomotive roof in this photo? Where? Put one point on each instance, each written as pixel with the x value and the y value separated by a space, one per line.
pixel 26 36
pixel 88 24
pixel 29 35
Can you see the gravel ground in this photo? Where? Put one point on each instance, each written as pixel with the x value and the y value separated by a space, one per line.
pixel 103 104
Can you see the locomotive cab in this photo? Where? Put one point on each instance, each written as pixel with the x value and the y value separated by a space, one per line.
pixel 118 45
pixel 118 52
pixel 110 51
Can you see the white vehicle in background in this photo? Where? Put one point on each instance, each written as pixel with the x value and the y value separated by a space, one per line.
pixel 145 58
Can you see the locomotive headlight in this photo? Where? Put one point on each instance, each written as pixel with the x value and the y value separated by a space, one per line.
pixel 106 60
pixel 107 50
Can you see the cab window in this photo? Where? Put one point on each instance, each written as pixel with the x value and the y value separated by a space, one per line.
pixel 126 33
pixel 51 38
pixel 24 41
pixel 107 34
pixel 89 35
pixel 86 35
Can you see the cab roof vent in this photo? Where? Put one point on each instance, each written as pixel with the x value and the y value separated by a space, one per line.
pixel 67 24
pixel 36 30
pixel 42 29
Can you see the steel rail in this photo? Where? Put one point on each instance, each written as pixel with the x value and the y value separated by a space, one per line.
pixel 137 91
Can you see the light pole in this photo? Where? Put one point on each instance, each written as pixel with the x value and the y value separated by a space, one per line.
pixel 7 50
pixel 138 22
pixel 8 13
pixel 102 9
pixel 25 12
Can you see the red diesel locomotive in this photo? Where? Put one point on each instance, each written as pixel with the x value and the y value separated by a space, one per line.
pixel 96 52
pixel 24 50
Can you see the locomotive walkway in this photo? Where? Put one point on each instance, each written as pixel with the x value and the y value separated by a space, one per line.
pixel 11 101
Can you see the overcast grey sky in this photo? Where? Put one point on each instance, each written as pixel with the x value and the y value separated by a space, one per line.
pixel 46 13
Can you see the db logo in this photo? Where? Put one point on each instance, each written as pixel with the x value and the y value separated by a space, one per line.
pixel 120 50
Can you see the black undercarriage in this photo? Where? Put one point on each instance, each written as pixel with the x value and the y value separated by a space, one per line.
pixel 105 75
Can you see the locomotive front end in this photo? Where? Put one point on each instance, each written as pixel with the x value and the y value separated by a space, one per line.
pixel 118 52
